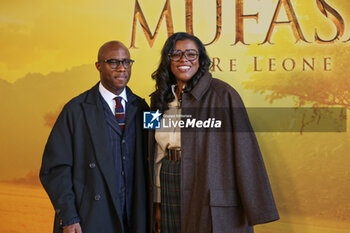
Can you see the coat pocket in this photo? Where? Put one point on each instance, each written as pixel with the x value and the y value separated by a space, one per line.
pixel 226 212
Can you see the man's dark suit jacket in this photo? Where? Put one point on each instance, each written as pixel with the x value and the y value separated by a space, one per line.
pixel 78 170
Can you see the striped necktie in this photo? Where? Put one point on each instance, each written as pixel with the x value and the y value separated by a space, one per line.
pixel 119 112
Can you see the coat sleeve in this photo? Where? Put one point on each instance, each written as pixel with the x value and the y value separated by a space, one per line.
pixel 252 180
pixel 56 168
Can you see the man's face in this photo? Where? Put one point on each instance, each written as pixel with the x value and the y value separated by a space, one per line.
pixel 116 79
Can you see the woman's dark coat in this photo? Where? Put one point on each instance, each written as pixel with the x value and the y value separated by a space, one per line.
pixel 224 184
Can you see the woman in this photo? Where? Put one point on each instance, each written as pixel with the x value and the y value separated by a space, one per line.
pixel 205 180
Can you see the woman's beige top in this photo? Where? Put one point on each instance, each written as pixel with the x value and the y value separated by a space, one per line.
pixel 166 138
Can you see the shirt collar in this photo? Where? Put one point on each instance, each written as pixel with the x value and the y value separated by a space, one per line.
pixel 175 102
pixel 173 90
pixel 108 96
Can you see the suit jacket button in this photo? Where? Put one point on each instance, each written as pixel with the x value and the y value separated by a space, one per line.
pixel 123 141
pixel 97 197
pixel 92 165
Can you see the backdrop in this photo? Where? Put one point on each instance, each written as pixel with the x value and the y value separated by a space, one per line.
pixel 278 54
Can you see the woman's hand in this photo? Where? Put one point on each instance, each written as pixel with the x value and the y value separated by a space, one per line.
pixel 157 221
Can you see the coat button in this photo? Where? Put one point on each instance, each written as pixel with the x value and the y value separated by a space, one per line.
pixel 92 165
pixel 123 189
pixel 97 197
pixel 123 157
pixel 123 141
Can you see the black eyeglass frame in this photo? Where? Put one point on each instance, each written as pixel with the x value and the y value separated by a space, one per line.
pixel 117 62
pixel 183 53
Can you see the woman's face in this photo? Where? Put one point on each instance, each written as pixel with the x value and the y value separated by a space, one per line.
pixel 184 69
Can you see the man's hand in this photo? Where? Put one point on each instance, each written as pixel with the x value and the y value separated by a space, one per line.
pixel 74 228
pixel 157 220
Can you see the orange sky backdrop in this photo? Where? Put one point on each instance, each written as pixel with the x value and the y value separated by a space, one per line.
pixel 41 36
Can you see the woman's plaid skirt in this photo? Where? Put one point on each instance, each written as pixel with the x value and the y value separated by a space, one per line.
pixel 170 181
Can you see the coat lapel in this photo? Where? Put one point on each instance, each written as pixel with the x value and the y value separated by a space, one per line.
pixel 96 122
pixel 131 108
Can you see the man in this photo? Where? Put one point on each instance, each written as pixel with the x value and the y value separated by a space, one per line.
pixel 94 166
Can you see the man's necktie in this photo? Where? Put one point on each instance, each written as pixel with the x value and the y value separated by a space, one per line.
pixel 119 112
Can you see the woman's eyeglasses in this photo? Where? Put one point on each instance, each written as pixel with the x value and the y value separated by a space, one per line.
pixel 190 55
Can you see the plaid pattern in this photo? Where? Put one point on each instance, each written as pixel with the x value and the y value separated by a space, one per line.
pixel 119 112
pixel 170 180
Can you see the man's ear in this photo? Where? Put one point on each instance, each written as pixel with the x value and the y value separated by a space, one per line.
pixel 98 66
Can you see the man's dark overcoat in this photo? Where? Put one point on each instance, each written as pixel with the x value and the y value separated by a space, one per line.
pixel 224 184
pixel 78 170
